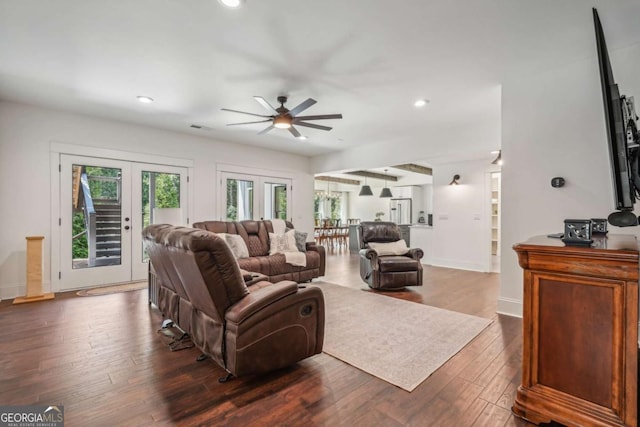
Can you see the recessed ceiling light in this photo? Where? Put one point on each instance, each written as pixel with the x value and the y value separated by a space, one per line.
pixel 495 151
pixel 421 103
pixel 234 4
pixel 302 137
pixel 145 99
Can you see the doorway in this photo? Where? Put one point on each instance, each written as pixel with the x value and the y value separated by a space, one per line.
pixel 104 205
pixel 496 182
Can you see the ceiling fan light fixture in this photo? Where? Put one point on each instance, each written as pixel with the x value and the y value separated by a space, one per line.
pixel 284 118
pixel 282 122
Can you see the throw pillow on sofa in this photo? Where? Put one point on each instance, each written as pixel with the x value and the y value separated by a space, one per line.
pixel 281 243
pixel 391 248
pixel 238 246
pixel 301 240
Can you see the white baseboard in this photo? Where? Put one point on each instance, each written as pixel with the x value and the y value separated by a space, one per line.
pixel 460 265
pixel 14 290
pixel 509 307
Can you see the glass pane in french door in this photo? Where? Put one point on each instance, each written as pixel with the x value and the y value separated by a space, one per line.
pixel 239 196
pixel 160 200
pixel 275 200
pixel 96 231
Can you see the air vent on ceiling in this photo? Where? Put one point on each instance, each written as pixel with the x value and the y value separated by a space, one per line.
pixel 194 126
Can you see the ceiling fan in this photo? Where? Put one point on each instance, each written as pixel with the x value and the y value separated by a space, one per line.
pixel 283 118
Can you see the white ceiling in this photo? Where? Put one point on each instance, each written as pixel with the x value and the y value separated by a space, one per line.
pixel 366 59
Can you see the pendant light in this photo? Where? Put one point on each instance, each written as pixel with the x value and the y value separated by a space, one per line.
pixel 366 189
pixel 385 191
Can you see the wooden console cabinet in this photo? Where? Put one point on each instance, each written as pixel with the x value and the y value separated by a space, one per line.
pixel 580 332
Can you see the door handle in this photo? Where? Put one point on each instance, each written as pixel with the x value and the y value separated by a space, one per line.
pixel 126 227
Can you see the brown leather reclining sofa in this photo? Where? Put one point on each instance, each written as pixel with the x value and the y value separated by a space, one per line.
pixel 245 329
pixel 256 236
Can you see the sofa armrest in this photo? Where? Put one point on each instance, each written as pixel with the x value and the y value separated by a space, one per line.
pixel 312 246
pixel 251 277
pixel 259 299
pixel 370 254
pixel 415 253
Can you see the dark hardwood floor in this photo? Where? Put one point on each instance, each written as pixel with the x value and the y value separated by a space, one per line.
pixel 102 358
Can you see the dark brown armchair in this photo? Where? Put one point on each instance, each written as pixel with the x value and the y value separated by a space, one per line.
pixel 385 261
pixel 245 329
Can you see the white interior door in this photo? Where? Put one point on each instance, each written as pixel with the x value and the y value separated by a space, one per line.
pixel 104 206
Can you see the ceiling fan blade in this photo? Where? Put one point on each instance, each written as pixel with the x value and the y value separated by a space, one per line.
pixel 319 117
pixel 311 125
pixel 248 123
pixel 294 132
pixel 303 106
pixel 244 112
pixel 265 104
pixel 265 130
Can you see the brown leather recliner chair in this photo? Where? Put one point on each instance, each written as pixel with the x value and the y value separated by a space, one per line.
pixel 245 329
pixel 387 271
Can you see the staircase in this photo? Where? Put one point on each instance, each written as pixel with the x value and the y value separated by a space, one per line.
pixel 108 232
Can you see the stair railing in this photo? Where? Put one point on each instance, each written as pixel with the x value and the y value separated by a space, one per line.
pixel 89 218
pixel 117 180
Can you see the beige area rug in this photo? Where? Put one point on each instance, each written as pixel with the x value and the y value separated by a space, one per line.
pixel 113 289
pixel 398 341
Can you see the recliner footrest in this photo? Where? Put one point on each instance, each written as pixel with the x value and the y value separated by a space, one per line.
pixel 390 264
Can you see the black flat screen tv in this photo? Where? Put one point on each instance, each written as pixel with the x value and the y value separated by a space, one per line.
pixel 623 185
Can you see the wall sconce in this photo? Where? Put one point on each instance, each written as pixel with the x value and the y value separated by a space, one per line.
pixel 498 160
pixel 385 191
pixel 366 189
pixel 455 179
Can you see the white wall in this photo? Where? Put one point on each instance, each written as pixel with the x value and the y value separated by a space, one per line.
pixel 26 133
pixel 461 216
pixel 553 125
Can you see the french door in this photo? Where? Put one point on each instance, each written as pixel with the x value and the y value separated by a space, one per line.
pixel 104 205
pixel 254 197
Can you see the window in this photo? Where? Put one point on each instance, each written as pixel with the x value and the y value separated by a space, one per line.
pixel 254 197
pixel 330 206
